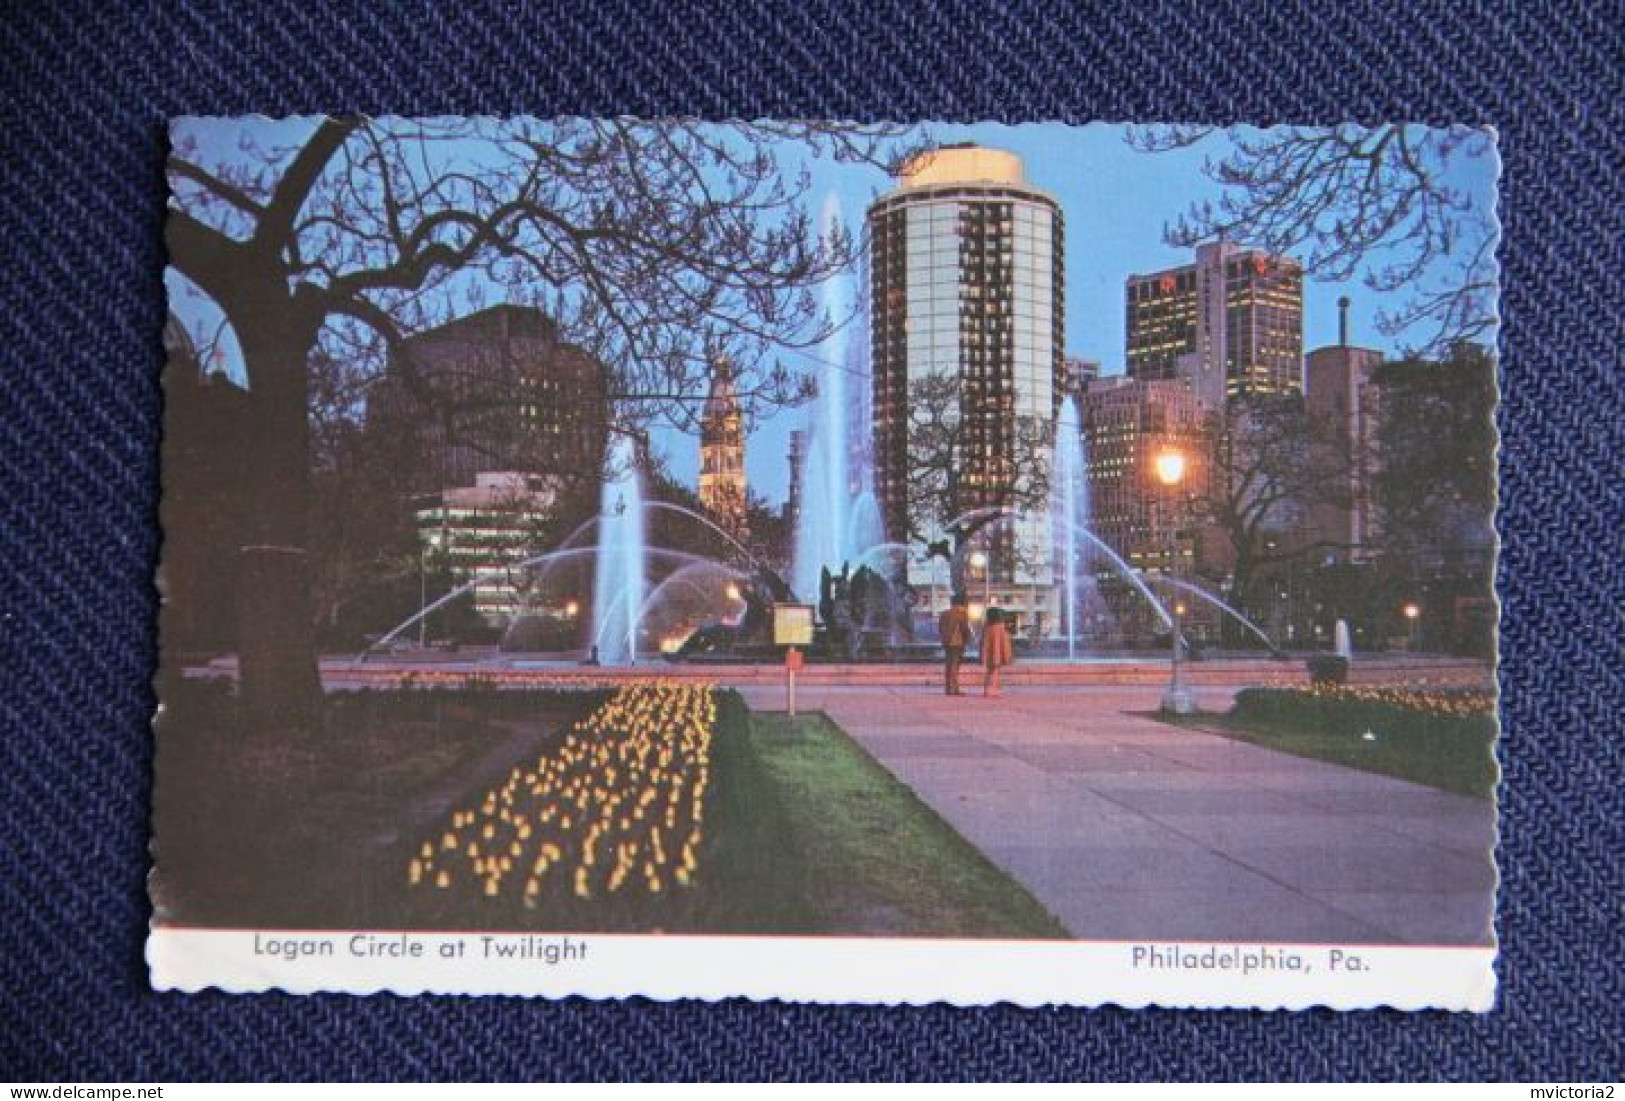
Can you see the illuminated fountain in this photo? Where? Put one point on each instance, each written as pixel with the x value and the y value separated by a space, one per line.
pixel 618 583
pixel 839 519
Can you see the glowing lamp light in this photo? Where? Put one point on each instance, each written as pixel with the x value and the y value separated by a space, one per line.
pixel 1170 467
pixel 978 561
pixel 1412 611
pixel 733 591
pixel 572 609
pixel 1179 609
pixel 976 611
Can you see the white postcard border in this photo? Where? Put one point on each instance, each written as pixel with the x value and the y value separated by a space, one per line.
pixel 837 970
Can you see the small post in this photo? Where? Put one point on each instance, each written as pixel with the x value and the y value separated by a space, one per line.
pixel 792 663
pixel 792 628
pixel 1177 699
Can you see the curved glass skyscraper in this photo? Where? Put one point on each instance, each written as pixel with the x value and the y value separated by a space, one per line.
pixel 966 281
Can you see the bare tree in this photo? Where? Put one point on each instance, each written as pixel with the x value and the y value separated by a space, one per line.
pixel 642 239
pixel 950 489
pixel 1269 465
pixel 1351 199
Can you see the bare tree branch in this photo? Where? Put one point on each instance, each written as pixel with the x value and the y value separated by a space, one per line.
pixel 1350 201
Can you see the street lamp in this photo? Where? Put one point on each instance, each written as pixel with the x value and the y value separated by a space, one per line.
pixel 1169 466
pixel 979 561
pixel 1413 613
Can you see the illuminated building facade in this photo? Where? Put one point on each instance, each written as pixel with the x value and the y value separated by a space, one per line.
pixel 483 532
pixel 966 282
pixel 1229 324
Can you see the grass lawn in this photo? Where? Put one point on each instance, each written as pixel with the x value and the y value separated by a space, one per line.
pixel 1463 764
pixel 833 843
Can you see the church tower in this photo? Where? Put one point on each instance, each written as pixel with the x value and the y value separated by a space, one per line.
pixel 722 452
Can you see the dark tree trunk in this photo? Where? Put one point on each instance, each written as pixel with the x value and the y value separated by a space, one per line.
pixel 281 688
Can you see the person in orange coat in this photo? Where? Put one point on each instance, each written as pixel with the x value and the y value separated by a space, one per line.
pixel 996 651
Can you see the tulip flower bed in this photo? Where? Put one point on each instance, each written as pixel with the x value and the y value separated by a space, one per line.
pixel 605 831
pixel 671 808
pixel 1440 737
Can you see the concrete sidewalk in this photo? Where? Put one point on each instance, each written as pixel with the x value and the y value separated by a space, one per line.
pixel 1129 829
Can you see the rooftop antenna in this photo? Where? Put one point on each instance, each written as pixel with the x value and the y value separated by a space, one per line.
pixel 1343 321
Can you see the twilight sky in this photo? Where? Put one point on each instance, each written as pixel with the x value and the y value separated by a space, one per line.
pixel 1116 202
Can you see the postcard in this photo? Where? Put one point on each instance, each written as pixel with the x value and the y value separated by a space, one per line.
pixel 828 561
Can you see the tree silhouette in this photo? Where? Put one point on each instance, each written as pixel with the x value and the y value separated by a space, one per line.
pixel 946 481
pixel 1349 198
pixel 1269 465
pixel 643 241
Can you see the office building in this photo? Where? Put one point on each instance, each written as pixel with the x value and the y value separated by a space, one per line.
pixel 1229 324
pixel 497 390
pixel 1131 424
pixel 482 533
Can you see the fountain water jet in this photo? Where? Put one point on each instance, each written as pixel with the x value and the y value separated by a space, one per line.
pixel 666 506
pixel 1070 505
pixel 838 516
pixel 1202 594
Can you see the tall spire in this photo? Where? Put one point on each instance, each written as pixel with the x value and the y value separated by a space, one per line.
pixel 722 451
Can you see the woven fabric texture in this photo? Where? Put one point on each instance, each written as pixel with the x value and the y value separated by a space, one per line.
pixel 87 89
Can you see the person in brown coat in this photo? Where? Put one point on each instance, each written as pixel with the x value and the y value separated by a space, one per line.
pixel 996 651
pixel 954 628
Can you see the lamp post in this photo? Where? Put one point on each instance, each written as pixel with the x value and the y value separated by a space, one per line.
pixel 423 594
pixel 1413 613
pixel 1170 470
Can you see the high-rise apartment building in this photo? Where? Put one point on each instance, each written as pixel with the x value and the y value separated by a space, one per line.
pixel 1078 374
pixel 722 452
pixel 966 284
pixel 1229 324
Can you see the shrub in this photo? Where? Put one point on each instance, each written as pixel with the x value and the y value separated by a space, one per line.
pixel 1328 669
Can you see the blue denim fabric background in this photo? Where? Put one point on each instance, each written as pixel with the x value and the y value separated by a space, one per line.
pixel 87 88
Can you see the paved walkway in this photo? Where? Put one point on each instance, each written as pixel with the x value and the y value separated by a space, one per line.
pixel 1131 829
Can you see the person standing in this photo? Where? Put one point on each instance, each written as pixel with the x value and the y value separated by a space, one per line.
pixel 997 652
pixel 954 629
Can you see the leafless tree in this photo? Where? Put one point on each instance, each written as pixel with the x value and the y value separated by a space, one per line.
pixel 1348 200
pixel 948 482
pixel 643 240
pixel 1269 465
